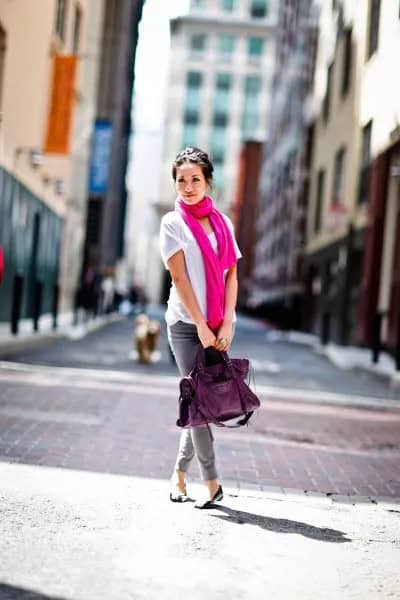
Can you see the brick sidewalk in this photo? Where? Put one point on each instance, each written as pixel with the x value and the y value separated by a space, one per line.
pixel 121 428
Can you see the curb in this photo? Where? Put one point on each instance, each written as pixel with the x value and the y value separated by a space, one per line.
pixel 313 342
pixel 16 344
pixel 260 492
pixel 393 379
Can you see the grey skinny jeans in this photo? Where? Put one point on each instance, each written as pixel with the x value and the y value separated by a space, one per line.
pixel 185 344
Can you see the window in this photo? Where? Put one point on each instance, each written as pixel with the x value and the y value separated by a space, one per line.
pixel 194 79
pixel 255 46
pixel 221 105
pixel 363 181
pixel 226 43
pixel 218 155
pixel 217 147
pixel 228 5
pixel 327 99
pixel 77 29
pixel 338 177
pixel 191 117
pixel 222 93
pixel 189 136
pixel 218 177
pixel 373 34
pixel 193 93
pixel 347 61
pixel 198 42
pixel 59 25
pixel 250 116
pixel 319 200
pixel 252 85
pixel 220 119
pixel 224 81
pixel 258 9
pixel 197 4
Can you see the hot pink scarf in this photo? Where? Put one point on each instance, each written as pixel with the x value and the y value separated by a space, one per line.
pixel 214 264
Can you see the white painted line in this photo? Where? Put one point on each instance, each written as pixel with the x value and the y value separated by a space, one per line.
pixel 103 374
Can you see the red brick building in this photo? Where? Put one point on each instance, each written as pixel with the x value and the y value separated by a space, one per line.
pixel 245 213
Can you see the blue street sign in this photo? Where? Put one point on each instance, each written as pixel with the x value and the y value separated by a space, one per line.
pixel 100 162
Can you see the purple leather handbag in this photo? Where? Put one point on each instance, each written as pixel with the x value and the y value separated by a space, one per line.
pixel 216 391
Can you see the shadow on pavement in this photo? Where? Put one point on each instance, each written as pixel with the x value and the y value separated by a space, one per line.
pixel 281 525
pixel 9 592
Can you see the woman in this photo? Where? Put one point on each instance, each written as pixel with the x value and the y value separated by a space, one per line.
pixel 198 248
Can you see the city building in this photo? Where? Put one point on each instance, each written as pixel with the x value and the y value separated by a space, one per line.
pixel 276 288
pixel 378 177
pixel 104 244
pixel 353 235
pixel 336 219
pixel 245 214
pixel 217 96
pixel 48 64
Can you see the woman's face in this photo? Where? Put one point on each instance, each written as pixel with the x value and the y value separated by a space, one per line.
pixel 190 183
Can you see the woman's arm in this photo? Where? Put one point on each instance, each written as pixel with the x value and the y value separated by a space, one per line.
pixel 231 292
pixel 176 266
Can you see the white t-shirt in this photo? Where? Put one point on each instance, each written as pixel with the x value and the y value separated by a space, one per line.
pixel 175 235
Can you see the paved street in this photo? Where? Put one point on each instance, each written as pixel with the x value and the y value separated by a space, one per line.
pixel 280 364
pixel 97 422
pixel 87 442
pixel 119 417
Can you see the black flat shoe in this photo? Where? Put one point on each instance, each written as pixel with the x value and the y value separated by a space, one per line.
pixel 219 494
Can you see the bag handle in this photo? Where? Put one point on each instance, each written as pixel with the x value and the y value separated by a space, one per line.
pixel 200 363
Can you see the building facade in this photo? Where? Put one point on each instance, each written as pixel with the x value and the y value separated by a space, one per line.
pixel 276 289
pixel 245 214
pixel 352 235
pixel 46 98
pixel 336 219
pixel 379 179
pixel 104 244
pixel 218 91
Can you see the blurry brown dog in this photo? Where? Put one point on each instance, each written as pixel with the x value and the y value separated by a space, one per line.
pixel 146 336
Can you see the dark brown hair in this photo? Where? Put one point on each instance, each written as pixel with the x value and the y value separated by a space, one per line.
pixel 196 156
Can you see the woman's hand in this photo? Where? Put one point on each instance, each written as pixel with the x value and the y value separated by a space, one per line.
pixel 224 335
pixel 206 336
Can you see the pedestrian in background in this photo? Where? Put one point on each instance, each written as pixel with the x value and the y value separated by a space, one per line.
pixel 107 287
pixel 199 249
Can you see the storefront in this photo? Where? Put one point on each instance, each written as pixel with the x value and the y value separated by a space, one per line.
pixel 381 267
pixel 333 289
pixel 30 234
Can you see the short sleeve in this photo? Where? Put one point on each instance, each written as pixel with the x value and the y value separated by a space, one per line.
pixel 235 244
pixel 170 241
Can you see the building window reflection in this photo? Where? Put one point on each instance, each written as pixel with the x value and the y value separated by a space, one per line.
pixel 258 9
